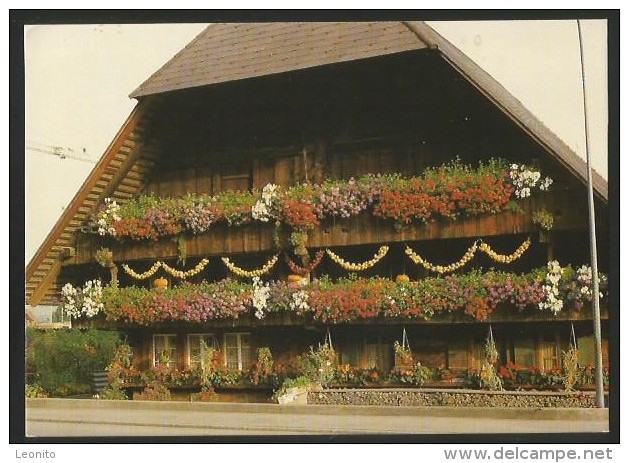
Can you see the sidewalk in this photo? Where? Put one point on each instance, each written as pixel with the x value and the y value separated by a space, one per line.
pixel 69 417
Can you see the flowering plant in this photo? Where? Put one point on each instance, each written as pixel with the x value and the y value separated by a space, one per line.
pixel 318 365
pixel 524 178
pixel 445 192
pixel 106 216
pixel 104 257
pixel 344 199
pixel 544 219
pixel 267 207
pixel 476 294
pixel 201 212
pixel 186 302
pixel 552 301
pixel 237 206
pixel 262 369
pixel 402 352
pixel 417 375
pixel 259 297
pixel 86 301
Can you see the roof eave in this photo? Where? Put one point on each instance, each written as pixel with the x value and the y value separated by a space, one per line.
pixel 509 105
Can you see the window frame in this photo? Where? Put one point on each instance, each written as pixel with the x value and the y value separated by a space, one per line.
pixel 175 346
pixel 215 344
pixel 238 335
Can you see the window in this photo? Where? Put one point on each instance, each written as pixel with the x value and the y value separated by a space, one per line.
pixel 165 350
pixel 350 353
pixel 457 355
pixel 236 176
pixel 524 350
pixel 197 348
pixel 378 351
pixel 237 351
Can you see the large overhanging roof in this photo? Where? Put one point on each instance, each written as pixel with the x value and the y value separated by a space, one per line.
pixel 228 52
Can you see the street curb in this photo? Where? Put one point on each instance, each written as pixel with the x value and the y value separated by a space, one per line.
pixel 364 410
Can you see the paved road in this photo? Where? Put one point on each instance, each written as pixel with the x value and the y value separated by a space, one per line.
pixel 59 417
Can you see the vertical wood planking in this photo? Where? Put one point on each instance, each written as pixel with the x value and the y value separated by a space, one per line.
pixel 204 180
pixel 284 170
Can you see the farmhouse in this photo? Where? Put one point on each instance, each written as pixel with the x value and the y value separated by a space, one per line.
pixel 282 185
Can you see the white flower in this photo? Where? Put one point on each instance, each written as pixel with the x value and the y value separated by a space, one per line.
pixel 260 296
pixel 259 211
pixel 87 300
pixel 525 179
pixel 269 193
pixel 299 301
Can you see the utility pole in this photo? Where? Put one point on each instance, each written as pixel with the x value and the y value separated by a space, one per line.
pixel 596 311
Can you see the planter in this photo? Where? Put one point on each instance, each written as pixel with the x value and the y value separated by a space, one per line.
pixel 404 361
pixel 294 396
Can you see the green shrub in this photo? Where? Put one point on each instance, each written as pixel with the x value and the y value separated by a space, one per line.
pixel 154 391
pixel 113 392
pixel 63 360
pixel 34 391
pixel 318 365
pixel 207 394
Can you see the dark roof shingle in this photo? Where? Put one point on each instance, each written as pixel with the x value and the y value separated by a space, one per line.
pixel 228 52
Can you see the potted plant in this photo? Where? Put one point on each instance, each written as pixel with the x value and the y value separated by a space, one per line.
pixel 545 221
pixel 403 355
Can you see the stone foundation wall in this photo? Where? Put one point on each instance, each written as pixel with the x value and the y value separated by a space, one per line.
pixel 431 398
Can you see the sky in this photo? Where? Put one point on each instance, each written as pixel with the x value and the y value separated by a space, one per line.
pixel 78 78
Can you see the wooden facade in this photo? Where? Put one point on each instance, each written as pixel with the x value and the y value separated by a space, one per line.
pixel 391 113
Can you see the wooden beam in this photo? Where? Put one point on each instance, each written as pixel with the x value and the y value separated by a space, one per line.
pixel 43 286
pixel 86 190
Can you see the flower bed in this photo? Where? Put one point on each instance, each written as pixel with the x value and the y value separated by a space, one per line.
pixel 474 295
pixel 451 398
pixel 443 193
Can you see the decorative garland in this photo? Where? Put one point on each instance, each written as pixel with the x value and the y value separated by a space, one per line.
pixel 469 254
pixel 172 271
pixel 362 266
pixel 142 276
pixel 417 259
pixel 187 274
pixel 250 273
pixel 307 268
pixel 502 258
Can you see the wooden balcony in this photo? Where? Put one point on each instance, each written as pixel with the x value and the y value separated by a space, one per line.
pixel 364 229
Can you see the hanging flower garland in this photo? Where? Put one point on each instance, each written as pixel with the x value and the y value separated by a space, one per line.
pixel 506 259
pixel 469 254
pixel 142 276
pixel 417 259
pixel 250 273
pixel 307 268
pixel 188 273
pixel 362 266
